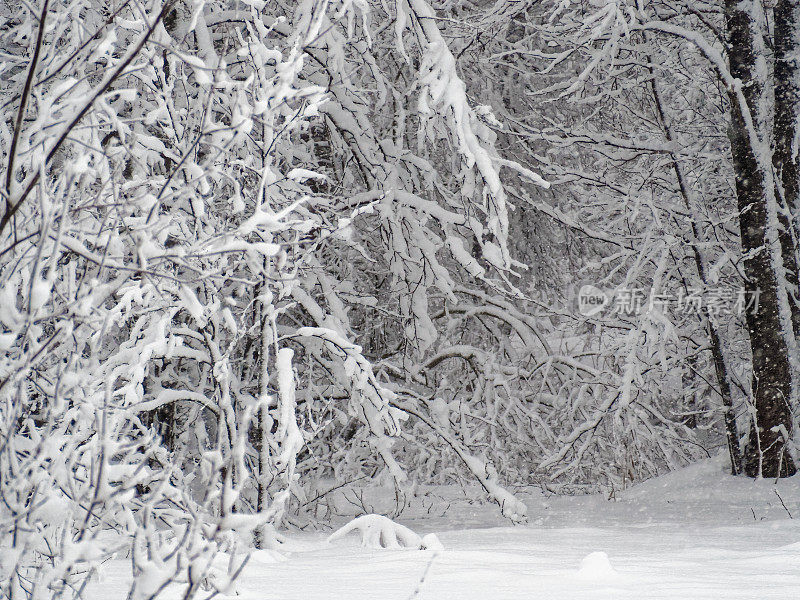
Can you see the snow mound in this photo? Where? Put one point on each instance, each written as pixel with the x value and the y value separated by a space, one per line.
pixel 596 566
pixel 710 481
pixel 431 542
pixel 378 531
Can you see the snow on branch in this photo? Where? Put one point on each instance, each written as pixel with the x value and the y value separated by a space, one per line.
pixel 377 531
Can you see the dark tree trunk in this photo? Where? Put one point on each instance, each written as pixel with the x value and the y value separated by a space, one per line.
pixel 784 157
pixel 765 454
pixel 717 352
pixel 690 393
pixel 731 430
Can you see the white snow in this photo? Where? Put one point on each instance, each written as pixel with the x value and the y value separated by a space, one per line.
pixel 377 531
pixel 596 567
pixel 695 534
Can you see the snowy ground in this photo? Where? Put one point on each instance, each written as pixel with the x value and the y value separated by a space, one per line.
pixel 694 534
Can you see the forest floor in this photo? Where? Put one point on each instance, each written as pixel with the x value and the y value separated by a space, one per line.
pixel 693 534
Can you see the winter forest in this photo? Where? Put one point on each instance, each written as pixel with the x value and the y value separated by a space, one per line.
pixel 399 299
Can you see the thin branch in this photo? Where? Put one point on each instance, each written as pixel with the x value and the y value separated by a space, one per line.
pixel 12 208
pixel 23 103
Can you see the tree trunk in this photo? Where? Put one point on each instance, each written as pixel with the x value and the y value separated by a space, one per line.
pixel 263 428
pixel 717 352
pixel 765 453
pixel 785 158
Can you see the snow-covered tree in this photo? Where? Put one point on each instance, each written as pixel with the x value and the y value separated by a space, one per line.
pixel 205 207
pixel 705 83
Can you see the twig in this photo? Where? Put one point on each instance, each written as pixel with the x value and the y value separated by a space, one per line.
pixel 13 206
pixel 782 504
pixel 341 485
pixel 421 581
pixel 23 103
